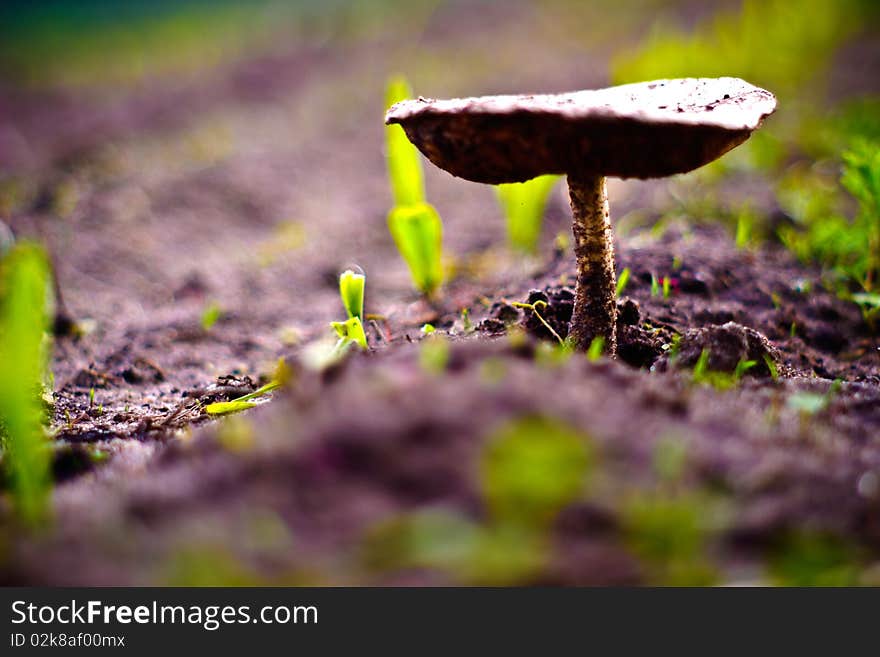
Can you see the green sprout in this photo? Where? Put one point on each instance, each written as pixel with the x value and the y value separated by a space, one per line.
pixel 210 315
pixel 622 280
pixel 241 403
pixel 597 347
pixel 418 233
pixel 718 379
pixel 870 307
pixel 523 205
pixel 414 224
pixel 24 286
pixel 771 367
pixel 404 163
pixel 351 331
pixel 655 286
pixel 351 289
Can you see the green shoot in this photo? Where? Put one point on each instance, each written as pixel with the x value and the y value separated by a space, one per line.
pixel 870 306
pixel 771 366
pixel 259 392
pixel 622 280
pixel 427 329
pixel 418 233
pixel 523 205
pixel 667 286
pixel 351 289
pixel 701 366
pixel 351 331
pixel 597 347
pixel 655 286
pixel 241 403
pixel 225 408
pixel 404 161
pixel 466 322
pixel 212 312
pixel 742 367
pixel 24 285
pixel 537 308
pixel 719 380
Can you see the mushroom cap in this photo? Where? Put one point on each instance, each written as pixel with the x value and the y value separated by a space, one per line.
pixel 642 130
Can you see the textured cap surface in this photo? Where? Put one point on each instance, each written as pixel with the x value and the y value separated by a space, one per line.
pixel 643 130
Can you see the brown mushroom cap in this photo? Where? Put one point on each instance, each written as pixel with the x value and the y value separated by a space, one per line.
pixel 643 130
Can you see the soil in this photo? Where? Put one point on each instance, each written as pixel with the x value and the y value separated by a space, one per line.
pixel 256 207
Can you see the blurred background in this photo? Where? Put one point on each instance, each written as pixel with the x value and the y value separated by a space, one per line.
pixel 181 86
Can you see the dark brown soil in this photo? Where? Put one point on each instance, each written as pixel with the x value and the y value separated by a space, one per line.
pixel 256 207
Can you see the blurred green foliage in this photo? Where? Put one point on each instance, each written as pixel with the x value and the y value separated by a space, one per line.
pixel 108 43
pixel 814 559
pixel 24 352
pixel 523 205
pixel 669 535
pixel 780 44
pixel 532 468
pixel 847 246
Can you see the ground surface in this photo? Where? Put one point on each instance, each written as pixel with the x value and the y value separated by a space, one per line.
pixel 153 216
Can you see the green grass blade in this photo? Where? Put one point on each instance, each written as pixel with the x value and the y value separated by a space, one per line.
pixel 523 205
pixel 621 282
pixel 24 285
pixel 224 408
pixel 418 233
pixel 404 161
pixel 259 392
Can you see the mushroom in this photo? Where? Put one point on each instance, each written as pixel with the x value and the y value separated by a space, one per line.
pixel 643 130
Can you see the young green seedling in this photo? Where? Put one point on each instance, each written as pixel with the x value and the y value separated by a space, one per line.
pixel 414 224
pixel 523 205
pixel 241 403
pixel 622 280
pixel 351 331
pixel 418 233
pixel 351 289
pixel 24 285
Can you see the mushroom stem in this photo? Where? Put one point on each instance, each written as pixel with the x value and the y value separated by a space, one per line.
pixel 595 308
